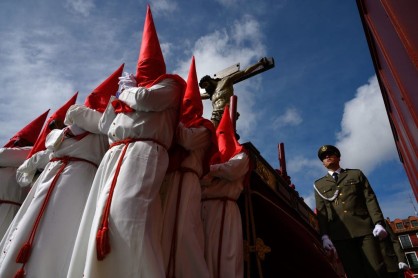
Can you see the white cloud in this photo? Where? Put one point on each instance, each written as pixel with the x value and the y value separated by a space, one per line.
pixel 365 139
pixel 246 28
pixel 166 48
pixel 227 3
pixel 241 43
pixel 307 168
pixel 163 6
pixel 82 7
pixel 30 88
pixel 291 117
pixel 310 200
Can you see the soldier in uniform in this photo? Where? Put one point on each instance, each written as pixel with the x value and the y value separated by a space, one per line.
pixel 350 220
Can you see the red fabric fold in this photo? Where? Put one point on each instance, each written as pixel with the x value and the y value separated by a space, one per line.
pixel 121 107
pixel 30 132
pixel 20 273
pixel 408 273
pixel 58 115
pixel 227 142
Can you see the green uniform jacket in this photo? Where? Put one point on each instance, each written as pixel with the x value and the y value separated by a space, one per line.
pixel 353 212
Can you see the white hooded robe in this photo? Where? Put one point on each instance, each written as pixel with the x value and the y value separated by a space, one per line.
pixel 54 240
pixel 228 179
pixel 135 213
pixel 10 160
pixel 188 259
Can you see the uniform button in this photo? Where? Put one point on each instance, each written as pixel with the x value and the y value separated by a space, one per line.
pixel 345 211
pixel 113 123
pixel 341 194
pixel 343 203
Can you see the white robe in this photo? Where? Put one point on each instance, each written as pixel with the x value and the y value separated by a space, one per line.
pixel 228 182
pixel 10 159
pixel 57 230
pixel 135 214
pixel 25 176
pixel 189 255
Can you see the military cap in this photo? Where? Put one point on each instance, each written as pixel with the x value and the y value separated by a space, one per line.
pixel 327 149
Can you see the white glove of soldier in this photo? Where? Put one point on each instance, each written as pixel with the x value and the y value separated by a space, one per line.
pixel 403 266
pixel 127 80
pixel 379 231
pixel 328 245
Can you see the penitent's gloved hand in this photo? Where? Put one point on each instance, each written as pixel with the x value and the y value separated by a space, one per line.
pixel 127 80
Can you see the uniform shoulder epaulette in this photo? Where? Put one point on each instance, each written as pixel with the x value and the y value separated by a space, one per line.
pixel 348 169
pixel 319 179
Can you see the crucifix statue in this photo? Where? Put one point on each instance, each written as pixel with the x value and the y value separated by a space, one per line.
pixel 220 88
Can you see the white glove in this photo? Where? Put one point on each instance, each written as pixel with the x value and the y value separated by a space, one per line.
pixel 379 231
pixel 328 245
pixel 127 80
pixel 403 266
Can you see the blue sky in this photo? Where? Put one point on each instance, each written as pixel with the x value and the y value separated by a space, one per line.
pixel 323 89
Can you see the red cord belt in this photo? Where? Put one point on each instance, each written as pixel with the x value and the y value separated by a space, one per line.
pixel 25 250
pixel 102 236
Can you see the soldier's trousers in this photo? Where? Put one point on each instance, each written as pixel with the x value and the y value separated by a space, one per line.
pixel 361 257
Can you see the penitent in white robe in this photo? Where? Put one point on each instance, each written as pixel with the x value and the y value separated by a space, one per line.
pixel 10 159
pixel 227 181
pixel 135 212
pixel 57 230
pixel 187 255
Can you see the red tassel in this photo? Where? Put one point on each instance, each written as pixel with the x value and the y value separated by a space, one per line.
pixel 20 273
pixel 102 243
pixel 24 253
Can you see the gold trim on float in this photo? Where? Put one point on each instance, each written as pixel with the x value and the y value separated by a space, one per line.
pixel 265 174
pixel 260 248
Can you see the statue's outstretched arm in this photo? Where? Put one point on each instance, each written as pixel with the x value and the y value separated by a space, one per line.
pixel 250 69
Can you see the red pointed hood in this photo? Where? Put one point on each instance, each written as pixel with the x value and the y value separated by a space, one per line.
pixel 227 142
pixel 151 63
pixel 191 112
pixel 30 132
pixel 192 107
pixel 59 114
pixel 99 98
